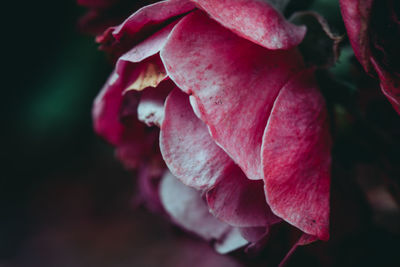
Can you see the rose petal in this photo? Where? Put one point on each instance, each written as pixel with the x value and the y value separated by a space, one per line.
pixel 256 21
pixel 233 81
pixel 390 85
pixel 356 15
pixel 239 201
pixel 151 106
pixel 187 147
pixel 142 24
pixel 230 242
pixel 187 208
pixel 296 157
pixel 107 104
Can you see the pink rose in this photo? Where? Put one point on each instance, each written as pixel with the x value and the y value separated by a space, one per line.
pixel 373 28
pixel 243 126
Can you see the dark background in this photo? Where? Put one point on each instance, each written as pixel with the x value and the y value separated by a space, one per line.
pixel 65 200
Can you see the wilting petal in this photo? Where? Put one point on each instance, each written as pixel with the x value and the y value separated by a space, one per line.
pixel 240 201
pixel 187 208
pixel 356 15
pixel 256 21
pixel 187 147
pixel 234 83
pixel 390 85
pixel 296 157
pixel 142 23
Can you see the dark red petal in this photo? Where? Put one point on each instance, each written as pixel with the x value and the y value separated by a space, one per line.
pixel 390 85
pixel 356 15
pixel 296 157
pixel 233 82
pixel 256 21
pixel 240 201
pixel 187 208
pixel 187 147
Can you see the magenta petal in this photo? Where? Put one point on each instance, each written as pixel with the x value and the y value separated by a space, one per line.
pixel 220 69
pixel 187 208
pixel 296 157
pixel 239 201
pixel 256 21
pixel 187 147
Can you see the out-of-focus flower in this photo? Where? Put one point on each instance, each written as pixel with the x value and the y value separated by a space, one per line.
pixel 242 122
pixel 106 13
pixel 373 28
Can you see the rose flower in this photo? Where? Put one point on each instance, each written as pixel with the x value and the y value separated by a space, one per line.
pixel 243 128
pixel 373 28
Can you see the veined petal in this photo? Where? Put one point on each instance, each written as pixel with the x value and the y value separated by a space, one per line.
pixel 255 20
pixel 187 147
pixel 233 81
pixel 192 155
pixel 240 201
pixel 296 157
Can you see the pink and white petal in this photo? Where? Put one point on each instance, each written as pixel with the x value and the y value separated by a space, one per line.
pixel 296 157
pixel 187 208
pixel 239 201
pixel 151 105
pixel 148 47
pixel 143 22
pixel 232 241
pixel 220 69
pixel 255 20
pixel 187 147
